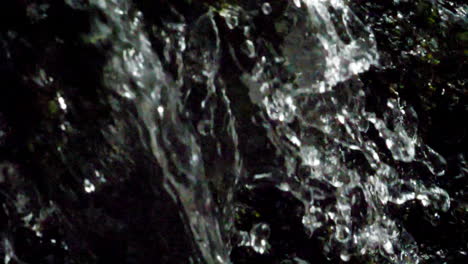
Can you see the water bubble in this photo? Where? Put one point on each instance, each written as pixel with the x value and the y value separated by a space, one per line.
pixel 266 8
pixel 259 235
pixel 342 233
pixel 232 21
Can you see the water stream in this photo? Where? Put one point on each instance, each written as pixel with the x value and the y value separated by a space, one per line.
pixel 312 107
pixel 267 93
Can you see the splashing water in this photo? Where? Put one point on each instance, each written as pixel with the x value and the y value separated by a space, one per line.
pixel 135 72
pixel 239 95
pixel 331 122
pixel 324 52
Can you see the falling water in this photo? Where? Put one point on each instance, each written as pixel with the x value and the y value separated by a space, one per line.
pixel 323 52
pixel 135 72
pixel 196 112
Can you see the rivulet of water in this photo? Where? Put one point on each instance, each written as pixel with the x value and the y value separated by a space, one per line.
pixel 135 72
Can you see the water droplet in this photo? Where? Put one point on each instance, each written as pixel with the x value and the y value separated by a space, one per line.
pixel 284 187
pixel 88 186
pixel 388 247
pixel 297 3
pixel 220 259
pixel 204 127
pixel 244 239
pixel 160 111
pixel 249 49
pixel 247 31
pixel 344 256
pixel 266 8
pixel 8 251
pixel 279 60
pixel 62 103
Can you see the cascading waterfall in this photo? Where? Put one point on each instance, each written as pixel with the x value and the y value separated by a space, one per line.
pixel 258 93
pixel 325 51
